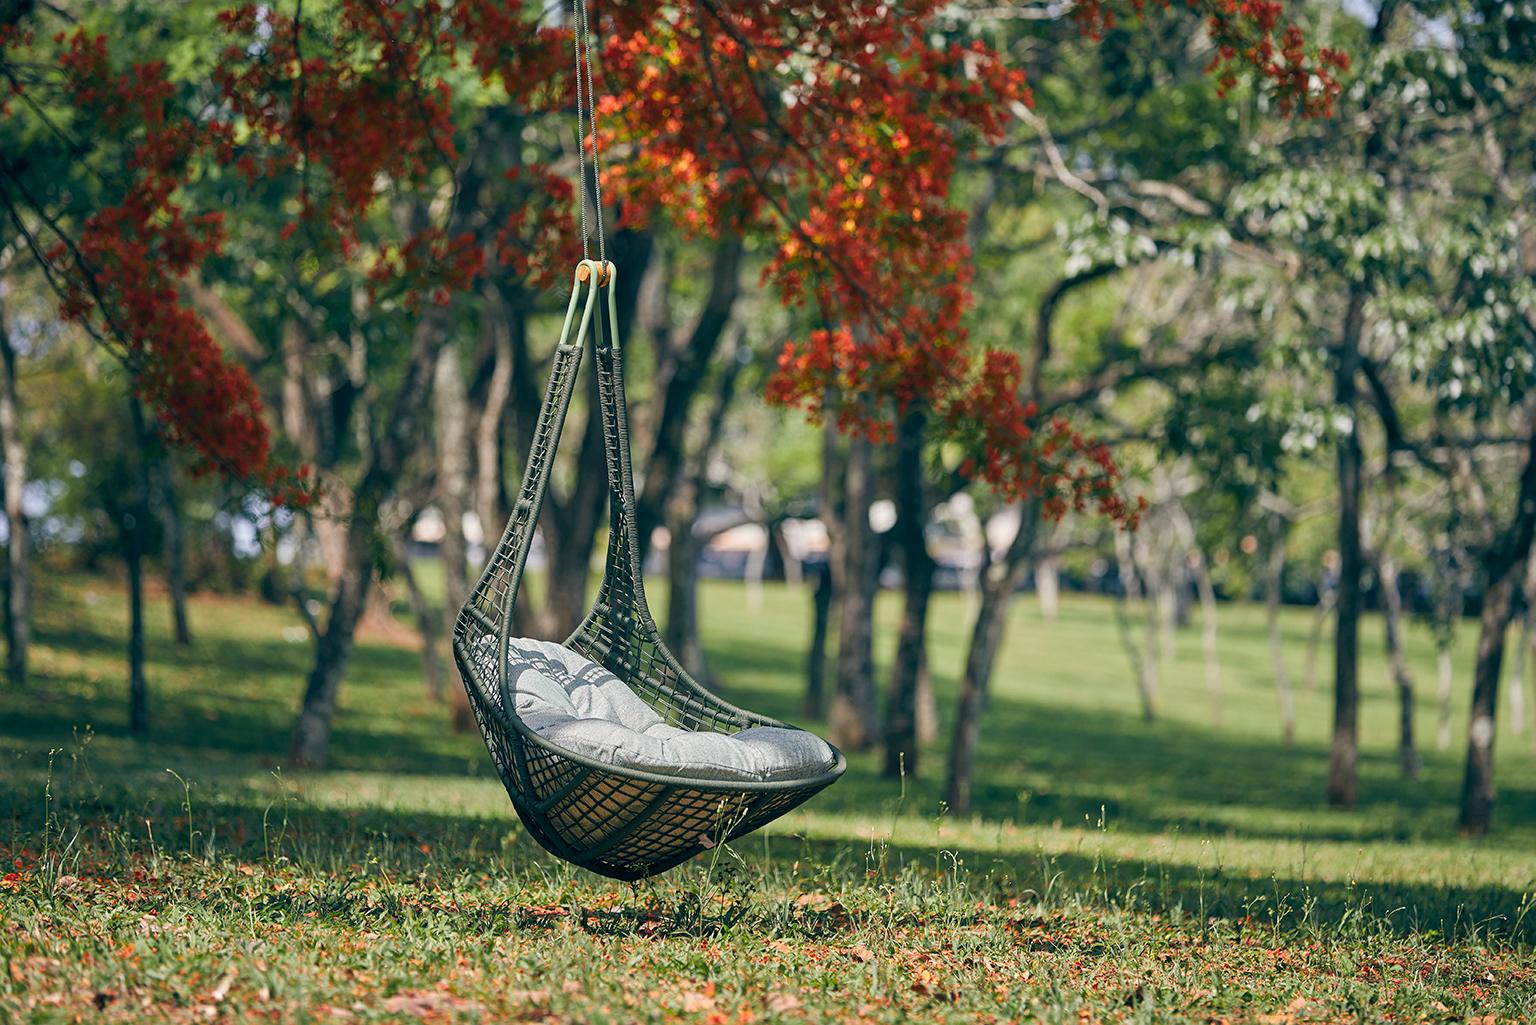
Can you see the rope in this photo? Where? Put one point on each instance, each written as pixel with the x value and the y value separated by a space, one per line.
pixel 586 127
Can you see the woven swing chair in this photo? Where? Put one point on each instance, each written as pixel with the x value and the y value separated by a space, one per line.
pixel 596 806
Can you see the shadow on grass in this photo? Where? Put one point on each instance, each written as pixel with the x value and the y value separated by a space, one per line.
pixel 113 827
pixel 1041 764
pixel 1050 763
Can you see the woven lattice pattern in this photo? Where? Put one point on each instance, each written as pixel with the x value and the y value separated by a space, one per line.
pixel 627 825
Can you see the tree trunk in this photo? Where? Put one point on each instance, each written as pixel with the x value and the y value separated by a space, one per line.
pixel 490 495
pixel 1274 571
pixel 1502 566
pixel 1048 586
pixel 1326 602
pixel 452 423
pixel 1450 597
pixel 135 520
pixel 680 380
pixel 902 734
pixel 1392 608
pixel 1343 759
pixel 395 433
pixel 986 640
pixel 426 621
pixel 1211 656
pixel 1517 676
pixel 175 549
pixel 682 635
pixel 18 573
pixel 1530 638
pixel 1477 790
pixel 1525 647
pixel 927 705
pixel 312 732
pixel 852 721
pixel 1144 663
pixel 816 660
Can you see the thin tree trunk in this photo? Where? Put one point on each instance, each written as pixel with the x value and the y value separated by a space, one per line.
pixel 1524 647
pixel 682 633
pixel 682 509
pixel 570 528
pixel 1144 663
pixel 1208 625
pixel 927 704
pixel 680 379
pixel 1502 567
pixel 312 732
pixel 852 721
pixel 1208 637
pixel 1478 791
pixel 452 424
pixel 135 520
pixel 1392 608
pixel 1447 674
pixel 1517 676
pixel 1321 614
pixel 1448 613
pixel 1274 572
pixel 18 573
pixel 986 640
pixel 1048 586
pixel 1530 637
pixel 489 475
pixel 816 660
pixel 902 735
pixel 1343 761
pixel 175 550
pixel 426 621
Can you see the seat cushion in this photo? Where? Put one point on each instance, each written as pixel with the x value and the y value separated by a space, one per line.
pixel 577 704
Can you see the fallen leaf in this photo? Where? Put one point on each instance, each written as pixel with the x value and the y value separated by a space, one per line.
pixel 779 1003
pixel 222 989
pixel 529 996
pixel 420 1003
pixel 694 1002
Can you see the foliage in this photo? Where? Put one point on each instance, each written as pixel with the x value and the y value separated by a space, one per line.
pixel 840 143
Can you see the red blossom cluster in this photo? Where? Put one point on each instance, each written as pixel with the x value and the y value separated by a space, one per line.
pixel 348 103
pixel 1066 470
pixel 538 240
pixel 1249 36
pixel 122 275
pixel 839 134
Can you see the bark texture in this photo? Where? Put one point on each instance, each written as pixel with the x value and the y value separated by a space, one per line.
pixel 1343 771
pixel 1274 574
pixel 1503 565
pixel 451 408
pixel 903 711
pixel 18 569
pixel 852 720
pixel 1002 580
pixel 1402 680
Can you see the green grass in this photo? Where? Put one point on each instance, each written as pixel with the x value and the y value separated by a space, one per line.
pixel 1115 871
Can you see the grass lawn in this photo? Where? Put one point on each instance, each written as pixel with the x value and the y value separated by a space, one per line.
pixel 1116 870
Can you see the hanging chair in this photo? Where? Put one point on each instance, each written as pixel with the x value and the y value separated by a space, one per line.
pixel 615 759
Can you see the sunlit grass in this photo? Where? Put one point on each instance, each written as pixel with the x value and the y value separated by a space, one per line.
pixel 1147 872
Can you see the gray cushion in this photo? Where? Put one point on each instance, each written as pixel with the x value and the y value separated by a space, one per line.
pixel 580 705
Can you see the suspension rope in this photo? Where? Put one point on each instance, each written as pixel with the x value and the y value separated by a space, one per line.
pixel 586 127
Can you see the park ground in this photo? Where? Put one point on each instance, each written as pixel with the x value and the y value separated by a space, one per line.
pixel 1115 870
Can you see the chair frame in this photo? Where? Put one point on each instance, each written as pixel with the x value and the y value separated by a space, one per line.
pixel 622 823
